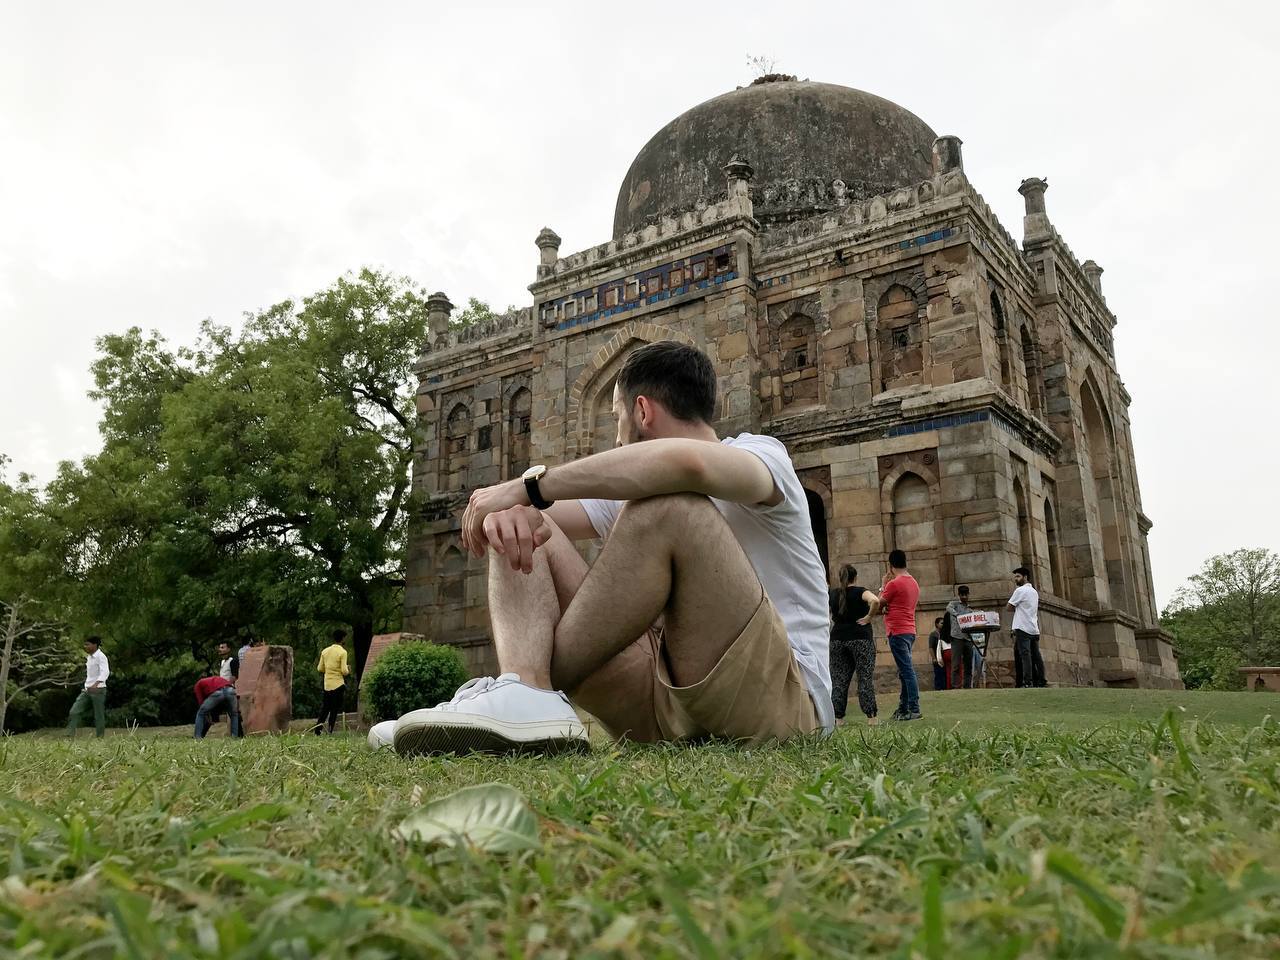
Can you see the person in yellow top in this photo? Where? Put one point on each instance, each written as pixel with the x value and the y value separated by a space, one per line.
pixel 333 664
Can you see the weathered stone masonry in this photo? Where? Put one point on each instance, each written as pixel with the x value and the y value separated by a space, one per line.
pixel 940 388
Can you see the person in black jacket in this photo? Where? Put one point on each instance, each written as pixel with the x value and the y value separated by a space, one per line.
pixel 853 647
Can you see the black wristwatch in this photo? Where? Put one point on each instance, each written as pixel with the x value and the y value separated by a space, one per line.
pixel 531 478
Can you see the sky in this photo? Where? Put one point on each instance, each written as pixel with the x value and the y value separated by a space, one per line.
pixel 165 163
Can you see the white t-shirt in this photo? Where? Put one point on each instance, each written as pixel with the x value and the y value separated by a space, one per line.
pixel 1026 609
pixel 779 542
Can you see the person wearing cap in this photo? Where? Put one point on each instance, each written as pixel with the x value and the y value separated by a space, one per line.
pixel 962 648
pixel 96 671
pixel 214 696
pixel 1024 604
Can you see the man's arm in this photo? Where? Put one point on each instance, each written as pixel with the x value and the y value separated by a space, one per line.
pixel 346 671
pixel 657 467
pixel 632 472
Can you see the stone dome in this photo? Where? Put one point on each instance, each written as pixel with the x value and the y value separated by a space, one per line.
pixel 801 137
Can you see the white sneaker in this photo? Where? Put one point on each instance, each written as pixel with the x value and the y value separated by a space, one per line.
pixel 489 715
pixel 382 734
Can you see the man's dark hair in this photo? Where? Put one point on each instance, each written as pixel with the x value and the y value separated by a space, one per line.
pixel 962 589
pixel 339 636
pixel 679 377
pixel 95 640
pixel 937 622
pixel 898 559
pixel 1024 571
pixel 225 643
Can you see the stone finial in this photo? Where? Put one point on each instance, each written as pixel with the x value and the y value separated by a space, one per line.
pixel 739 173
pixel 1035 225
pixel 946 155
pixel 548 250
pixel 438 310
pixel 1093 273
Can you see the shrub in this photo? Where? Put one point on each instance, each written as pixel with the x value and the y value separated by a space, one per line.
pixel 412 675
pixel 152 693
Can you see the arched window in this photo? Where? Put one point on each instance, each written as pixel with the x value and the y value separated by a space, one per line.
pixel 604 425
pixel 1098 438
pixel 453 583
pixel 818 521
pixel 1002 341
pixel 913 526
pixel 518 431
pixel 899 339
pixel 1026 554
pixel 455 445
pixel 1055 557
pixel 1031 362
pixel 798 347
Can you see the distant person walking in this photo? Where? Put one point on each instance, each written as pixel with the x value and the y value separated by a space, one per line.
pixel 96 671
pixel 214 697
pixel 900 595
pixel 940 647
pixel 1025 606
pixel 853 645
pixel 333 664
pixel 963 649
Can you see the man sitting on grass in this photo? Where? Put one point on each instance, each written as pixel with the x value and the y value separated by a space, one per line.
pixel 705 614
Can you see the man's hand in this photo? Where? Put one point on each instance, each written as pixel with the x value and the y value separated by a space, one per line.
pixel 515 533
pixel 485 501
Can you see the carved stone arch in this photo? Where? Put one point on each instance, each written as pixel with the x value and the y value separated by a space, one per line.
pixel 599 372
pixel 898 337
pixel 455 443
pixel 920 524
pixel 451 574
pixel 1105 478
pixel 817 488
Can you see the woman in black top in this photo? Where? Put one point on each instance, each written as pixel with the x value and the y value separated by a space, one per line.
pixel 853 647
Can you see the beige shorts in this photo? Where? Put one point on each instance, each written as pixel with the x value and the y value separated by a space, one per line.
pixel 754 693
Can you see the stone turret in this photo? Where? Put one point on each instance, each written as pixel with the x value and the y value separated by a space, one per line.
pixel 946 155
pixel 738 173
pixel 438 310
pixel 1094 274
pixel 548 251
pixel 1035 225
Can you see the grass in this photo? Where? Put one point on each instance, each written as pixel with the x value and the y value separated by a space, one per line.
pixel 1010 823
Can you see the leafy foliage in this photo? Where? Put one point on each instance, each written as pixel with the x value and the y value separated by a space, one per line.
pixel 1227 616
pixel 412 675
pixel 255 484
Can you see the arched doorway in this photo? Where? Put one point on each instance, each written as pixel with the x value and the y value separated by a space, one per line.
pixel 818 520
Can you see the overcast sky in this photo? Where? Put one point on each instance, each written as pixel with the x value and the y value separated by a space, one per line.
pixel 165 163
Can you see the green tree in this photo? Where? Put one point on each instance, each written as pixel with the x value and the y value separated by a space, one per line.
pixel 1227 616
pixel 257 483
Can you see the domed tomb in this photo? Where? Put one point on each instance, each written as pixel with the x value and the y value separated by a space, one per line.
pixel 812 145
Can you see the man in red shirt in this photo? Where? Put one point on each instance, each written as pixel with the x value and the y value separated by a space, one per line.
pixel 898 602
pixel 213 696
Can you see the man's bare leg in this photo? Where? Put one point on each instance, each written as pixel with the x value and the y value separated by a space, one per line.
pixel 672 556
pixel 524 608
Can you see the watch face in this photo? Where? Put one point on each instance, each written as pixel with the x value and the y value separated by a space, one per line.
pixel 534 472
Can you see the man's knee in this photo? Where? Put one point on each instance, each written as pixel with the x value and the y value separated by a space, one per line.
pixel 669 510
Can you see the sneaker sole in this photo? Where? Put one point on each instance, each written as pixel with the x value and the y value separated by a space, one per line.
pixel 420 739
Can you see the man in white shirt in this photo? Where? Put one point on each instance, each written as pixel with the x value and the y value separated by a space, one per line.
pixel 705 614
pixel 96 671
pixel 1024 604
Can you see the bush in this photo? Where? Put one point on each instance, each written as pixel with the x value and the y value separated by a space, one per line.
pixel 412 675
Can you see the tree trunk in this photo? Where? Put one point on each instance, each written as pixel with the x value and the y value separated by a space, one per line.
pixel 10 634
pixel 361 638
